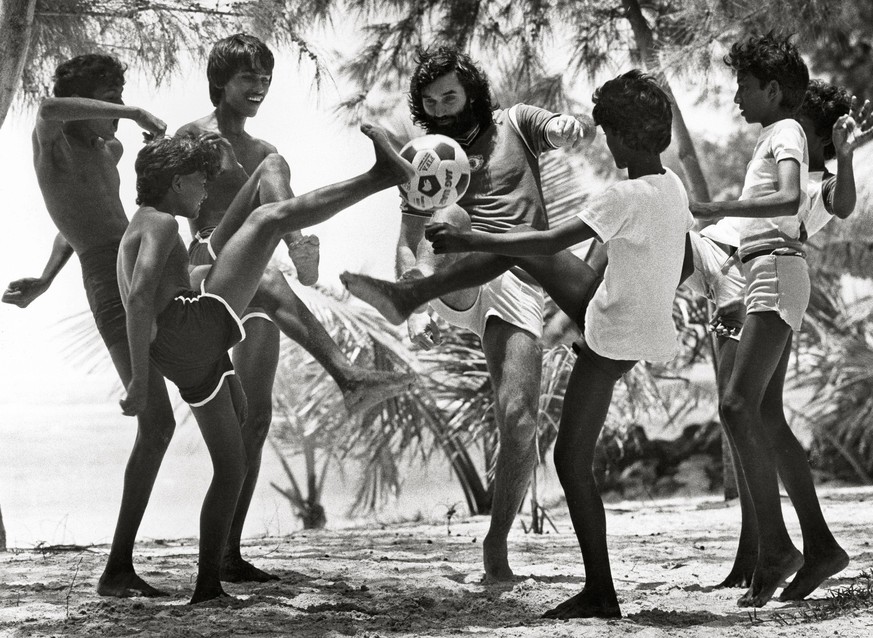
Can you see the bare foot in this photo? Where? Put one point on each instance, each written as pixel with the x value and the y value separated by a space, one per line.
pixel 364 389
pixel 390 169
pixel 126 585
pixel 202 595
pixel 496 557
pixel 815 570
pixel 239 570
pixel 742 571
pixel 768 576
pixel 304 253
pixel 585 605
pixel 384 296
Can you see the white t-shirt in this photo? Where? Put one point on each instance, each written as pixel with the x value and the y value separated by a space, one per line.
pixel 821 201
pixel 643 223
pixel 779 141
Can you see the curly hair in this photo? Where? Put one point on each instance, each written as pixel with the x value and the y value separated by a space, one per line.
pixel 636 109
pixel 824 104
pixel 770 57
pixel 158 161
pixel 234 53
pixel 84 74
pixel 432 64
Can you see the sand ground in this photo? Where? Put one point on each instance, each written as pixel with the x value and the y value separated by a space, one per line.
pixel 423 579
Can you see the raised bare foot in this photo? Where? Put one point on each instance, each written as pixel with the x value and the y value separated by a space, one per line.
pixel 768 576
pixel 305 255
pixel 496 557
pixel 385 296
pixel 239 570
pixel 585 605
pixel 210 594
pixel 126 585
pixel 742 571
pixel 815 570
pixel 390 169
pixel 364 389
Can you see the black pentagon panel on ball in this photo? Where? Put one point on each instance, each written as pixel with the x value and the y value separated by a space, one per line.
pixel 444 151
pixel 428 185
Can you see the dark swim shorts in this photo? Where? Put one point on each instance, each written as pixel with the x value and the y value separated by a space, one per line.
pixel 195 331
pixel 199 251
pixel 100 278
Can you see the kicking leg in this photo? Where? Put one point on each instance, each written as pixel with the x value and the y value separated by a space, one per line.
pixel 221 431
pixel 255 360
pixel 155 428
pixel 514 359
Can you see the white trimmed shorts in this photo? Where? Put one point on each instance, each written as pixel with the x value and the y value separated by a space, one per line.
pixel 778 283
pixel 508 298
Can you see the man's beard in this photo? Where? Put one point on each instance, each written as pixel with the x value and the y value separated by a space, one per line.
pixel 456 126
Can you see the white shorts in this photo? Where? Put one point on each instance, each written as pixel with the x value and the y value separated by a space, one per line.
pixel 778 283
pixel 508 298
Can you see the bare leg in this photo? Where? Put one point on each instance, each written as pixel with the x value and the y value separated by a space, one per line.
pixel 586 403
pixel 822 555
pixel 242 260
pixel 746 558
pixel 221 431
pixel 764 338
pixel 154 430
pixel 514 359
pixel 255 360
pixel 361 388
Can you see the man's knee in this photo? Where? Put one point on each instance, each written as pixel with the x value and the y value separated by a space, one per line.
pixel 737 412
pixel 257 423
pixel 454 215
pixel 572 467
pixel 155 428
pixel 274 165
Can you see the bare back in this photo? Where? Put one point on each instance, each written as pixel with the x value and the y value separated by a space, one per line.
pixel 249 152
pixel 78 177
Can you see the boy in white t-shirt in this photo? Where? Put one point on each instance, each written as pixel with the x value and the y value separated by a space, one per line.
pixel 643 222
pixel 765 226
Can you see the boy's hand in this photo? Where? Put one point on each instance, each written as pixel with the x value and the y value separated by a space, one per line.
pixel 446 238
pixel 567 131
pixel 423 331
pixel 704 210
pixel 134 401
pixel 152 127
pixel 22 292
pixel 228 156
pixel 852 130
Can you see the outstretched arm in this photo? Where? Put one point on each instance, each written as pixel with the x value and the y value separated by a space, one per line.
pixel 54 111
pixel 849 132
pixel 782 203
pixel 22 292
pixel 449 239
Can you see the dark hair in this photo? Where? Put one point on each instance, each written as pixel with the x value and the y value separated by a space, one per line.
pixel 84 74
pixel 432 64
pixel 824 104
pixel 158 161
pixel 635 108
pixel 770 57
pixel 232 54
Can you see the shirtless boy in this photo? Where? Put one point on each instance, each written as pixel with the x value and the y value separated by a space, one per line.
pixel 75 154
pixel 643 223
pixel 240 72
pixel 187 333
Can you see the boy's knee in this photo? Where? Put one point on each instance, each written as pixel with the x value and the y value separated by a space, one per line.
pixel 257 423
pixel 275 164
pixel 454 215
pixel 736 411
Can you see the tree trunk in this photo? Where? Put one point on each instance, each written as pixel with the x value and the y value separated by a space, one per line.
pixel 16 25
pixel 477 497
pixel 2 533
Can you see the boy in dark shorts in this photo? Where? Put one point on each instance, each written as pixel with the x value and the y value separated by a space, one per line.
pixel 240 71
pixel 643 222
pixel 765 226
pixel 186 333
pixel 75 155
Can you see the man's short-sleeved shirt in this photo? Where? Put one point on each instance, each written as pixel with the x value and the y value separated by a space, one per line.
pixel 505 188
pixel 643 223
pixel 782 140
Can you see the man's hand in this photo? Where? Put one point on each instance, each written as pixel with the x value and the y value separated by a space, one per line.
pixel 852 130
pixel 22 292
pixel 228 156
pixel 704 210
pixel 423 331
pixel 152 127
pixel 566 131
pixel 447 238
pixel 134 401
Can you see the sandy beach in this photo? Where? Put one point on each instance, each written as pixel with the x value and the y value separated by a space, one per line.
pixel 423 578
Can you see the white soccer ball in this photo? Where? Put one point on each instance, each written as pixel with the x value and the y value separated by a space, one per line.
pixel 442 172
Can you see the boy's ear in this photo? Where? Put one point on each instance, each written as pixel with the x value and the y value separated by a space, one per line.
pixel 774 90
pixel 176 184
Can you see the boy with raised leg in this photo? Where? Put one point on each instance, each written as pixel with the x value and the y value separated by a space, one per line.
pixel 186 334
pixel 643 223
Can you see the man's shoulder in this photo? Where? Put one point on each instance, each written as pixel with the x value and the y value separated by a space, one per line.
pixel 205 124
